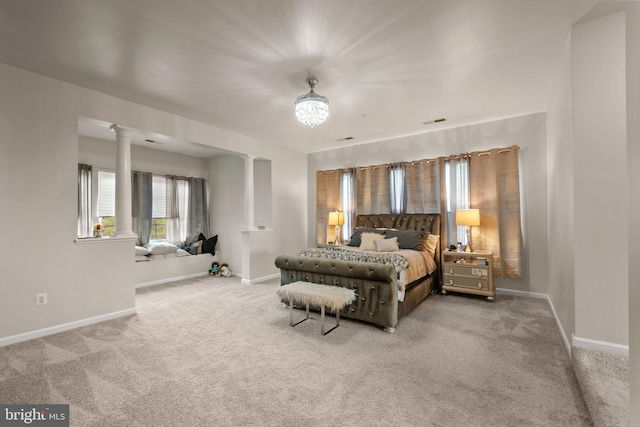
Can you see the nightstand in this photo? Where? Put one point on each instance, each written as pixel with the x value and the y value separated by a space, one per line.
pixel 468 272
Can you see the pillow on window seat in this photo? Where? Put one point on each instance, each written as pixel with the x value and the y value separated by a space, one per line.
pixel 209 245
pixel 141 251
pixel 157 248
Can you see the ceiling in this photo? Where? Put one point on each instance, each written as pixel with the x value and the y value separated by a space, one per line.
pixel 386 66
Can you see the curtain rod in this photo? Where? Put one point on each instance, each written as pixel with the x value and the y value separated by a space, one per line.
pixel 428 161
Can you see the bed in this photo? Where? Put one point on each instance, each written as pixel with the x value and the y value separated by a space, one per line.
pixel 383 298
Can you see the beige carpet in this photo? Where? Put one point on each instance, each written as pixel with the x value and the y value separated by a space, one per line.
pixel 213 352
pixel 604 381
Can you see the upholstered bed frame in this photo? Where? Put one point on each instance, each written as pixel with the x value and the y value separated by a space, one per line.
pixel 375 284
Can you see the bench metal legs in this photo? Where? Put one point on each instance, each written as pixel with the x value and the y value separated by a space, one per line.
pixel 291 315
pixel 322 324
pixel 322 321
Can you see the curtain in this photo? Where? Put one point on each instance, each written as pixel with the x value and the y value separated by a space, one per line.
pixel 85 219
pixel 373 195
pixel 177 203
pixel 198 216
pixel 397 193
pixel 495 190
pixel 142 205
pixel 422 180
pixel 327 200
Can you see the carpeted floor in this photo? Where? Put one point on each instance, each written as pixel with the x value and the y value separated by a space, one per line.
pixel 211 351
pixel 604 381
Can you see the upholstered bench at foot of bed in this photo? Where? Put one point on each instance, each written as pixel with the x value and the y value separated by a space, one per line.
pixel 334 297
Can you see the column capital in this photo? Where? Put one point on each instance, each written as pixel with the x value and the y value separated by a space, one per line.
pixel 121 130
pixel 248 158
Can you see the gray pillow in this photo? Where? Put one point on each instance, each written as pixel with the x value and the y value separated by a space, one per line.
pixel 356 238
pixel 408 239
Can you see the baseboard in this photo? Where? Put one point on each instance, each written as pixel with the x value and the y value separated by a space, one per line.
pixel 619 349
pixel 563 335
pixel 170 279
pixel 260 279
pixel 521 293
pixel 64 327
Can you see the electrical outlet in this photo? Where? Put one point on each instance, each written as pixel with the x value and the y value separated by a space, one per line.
pixel 41 299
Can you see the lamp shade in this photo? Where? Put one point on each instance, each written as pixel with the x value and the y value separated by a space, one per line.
pixel 336 218
pixel 468 217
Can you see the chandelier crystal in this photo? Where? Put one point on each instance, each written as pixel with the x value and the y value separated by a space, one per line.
pixel 311 108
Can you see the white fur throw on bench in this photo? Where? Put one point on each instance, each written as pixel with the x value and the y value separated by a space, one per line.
pixel 334 297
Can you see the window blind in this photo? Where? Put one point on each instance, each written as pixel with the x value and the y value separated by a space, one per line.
pixel 106 193
pixel 159 190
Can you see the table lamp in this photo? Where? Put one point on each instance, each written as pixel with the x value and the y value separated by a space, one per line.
pixel 336 218
pixel 468 218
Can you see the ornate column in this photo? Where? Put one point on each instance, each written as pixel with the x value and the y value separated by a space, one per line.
pixel 249 222
pixel 123 182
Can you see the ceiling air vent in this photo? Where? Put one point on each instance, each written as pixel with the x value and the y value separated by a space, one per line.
pixel 348 138
pixel 430 122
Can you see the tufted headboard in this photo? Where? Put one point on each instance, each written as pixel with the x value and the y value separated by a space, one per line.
pixel 418 221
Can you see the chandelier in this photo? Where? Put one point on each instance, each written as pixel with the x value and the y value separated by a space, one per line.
pixel 311 108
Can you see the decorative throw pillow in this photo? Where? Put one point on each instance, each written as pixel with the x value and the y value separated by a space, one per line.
pixel 157 248
pixel 368 241
pixel 209 245
pixel 431 243
pixel 408 239
pixel 141 251
pixel 387 245
pixel 357 233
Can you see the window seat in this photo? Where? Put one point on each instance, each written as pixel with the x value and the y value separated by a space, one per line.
pixel 170 269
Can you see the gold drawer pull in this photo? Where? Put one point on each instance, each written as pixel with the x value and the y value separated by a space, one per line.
pixel 479 284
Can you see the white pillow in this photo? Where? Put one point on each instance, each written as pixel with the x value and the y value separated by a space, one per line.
pixel 431 243
pixel 141 251
pixel 387 245
pixel 367 242
pixel 157 248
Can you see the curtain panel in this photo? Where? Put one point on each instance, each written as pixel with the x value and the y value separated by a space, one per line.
pixel 85 219
pixel 495 190
pixel 373 194
pixel 141 205
pixel 198 219
pixel 177 203
pixel 327 200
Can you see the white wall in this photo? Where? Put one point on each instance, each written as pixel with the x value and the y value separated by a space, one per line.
pixel 102 154
pixel 633 159
pixel 226 210
pixel 529 132
pixel 600 175
pixel 38 193
pixel 560 255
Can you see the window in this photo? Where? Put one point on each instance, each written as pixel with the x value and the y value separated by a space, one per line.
pixel 396 180
pixel 457 188
pixel 159 208
pixel 107 201
pixel 347 199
